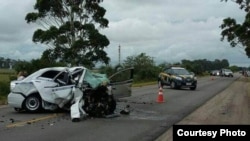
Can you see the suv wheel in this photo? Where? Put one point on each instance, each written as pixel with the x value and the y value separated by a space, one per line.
pixel 160 85
pixel 173 85
pixel 193 88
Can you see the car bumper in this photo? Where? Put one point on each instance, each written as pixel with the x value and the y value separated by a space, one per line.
pixel 15 100
pixel 186 84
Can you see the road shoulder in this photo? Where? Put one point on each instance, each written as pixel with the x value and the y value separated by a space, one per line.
pixel 231 106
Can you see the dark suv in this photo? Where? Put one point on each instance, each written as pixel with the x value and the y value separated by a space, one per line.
pixel 177 77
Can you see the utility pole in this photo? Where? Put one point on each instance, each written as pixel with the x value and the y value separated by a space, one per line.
pixel 119 54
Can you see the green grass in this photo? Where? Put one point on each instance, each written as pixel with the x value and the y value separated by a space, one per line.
pixel 6 74
pixel 140 84
pixel 7 71
pixel 4 78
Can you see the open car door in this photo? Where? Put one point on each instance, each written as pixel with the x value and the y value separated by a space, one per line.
pixel 121 82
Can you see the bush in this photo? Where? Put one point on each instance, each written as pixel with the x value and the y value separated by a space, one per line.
pixel 4 89
pixel 12 77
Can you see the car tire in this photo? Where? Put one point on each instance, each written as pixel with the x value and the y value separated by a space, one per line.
pixel 160 85
pixel 33 103
pixel 193 88
pixel 173 85
pixel 76 120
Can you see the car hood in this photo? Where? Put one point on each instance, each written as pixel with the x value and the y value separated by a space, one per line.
pixel 185 76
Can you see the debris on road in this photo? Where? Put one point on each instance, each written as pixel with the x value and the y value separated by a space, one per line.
pixel 126 111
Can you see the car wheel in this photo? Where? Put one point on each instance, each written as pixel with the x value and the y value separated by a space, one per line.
pixel 32 103
pixel 193 88
pixel 76 120
pixel 160 85
pixel 173 85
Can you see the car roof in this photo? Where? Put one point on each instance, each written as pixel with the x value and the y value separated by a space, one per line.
pixel 177 68
pixel 52 68
pixel 40 71
pixel 227 69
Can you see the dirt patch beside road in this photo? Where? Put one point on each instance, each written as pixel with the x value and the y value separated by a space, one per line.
pixel 3 102
pixel 231 106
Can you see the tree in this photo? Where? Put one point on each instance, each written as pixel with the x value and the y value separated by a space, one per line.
pixel 144 66
pixel 237 34
pixel 224 63
pixel 69 30
pixel 203 65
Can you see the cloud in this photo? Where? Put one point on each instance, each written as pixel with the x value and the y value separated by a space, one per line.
pixel 16 34
pixel 171 30
pixel 166 30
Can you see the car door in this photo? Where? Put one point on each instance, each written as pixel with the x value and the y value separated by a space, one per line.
pixel 169 72
pixel 45 83
pixel 121 82
pixel 64 91
pixel 56 89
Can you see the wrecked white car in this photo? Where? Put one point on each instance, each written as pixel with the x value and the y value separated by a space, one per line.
pixel 76 89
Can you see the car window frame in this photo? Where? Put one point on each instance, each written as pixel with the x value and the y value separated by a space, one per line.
pixel 122 88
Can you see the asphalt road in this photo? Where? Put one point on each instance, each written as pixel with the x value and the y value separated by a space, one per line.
pixel 147 120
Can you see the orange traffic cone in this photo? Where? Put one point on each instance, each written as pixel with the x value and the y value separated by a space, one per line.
pixel 160 96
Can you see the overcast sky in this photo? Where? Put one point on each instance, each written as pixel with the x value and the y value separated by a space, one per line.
pixel 167 30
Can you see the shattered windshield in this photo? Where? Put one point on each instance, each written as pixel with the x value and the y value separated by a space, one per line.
pixel 95 79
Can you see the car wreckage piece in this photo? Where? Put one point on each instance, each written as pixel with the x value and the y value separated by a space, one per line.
pixel 76 89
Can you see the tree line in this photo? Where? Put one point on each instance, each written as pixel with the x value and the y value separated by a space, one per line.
pixel 145 67
pixel 70 29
